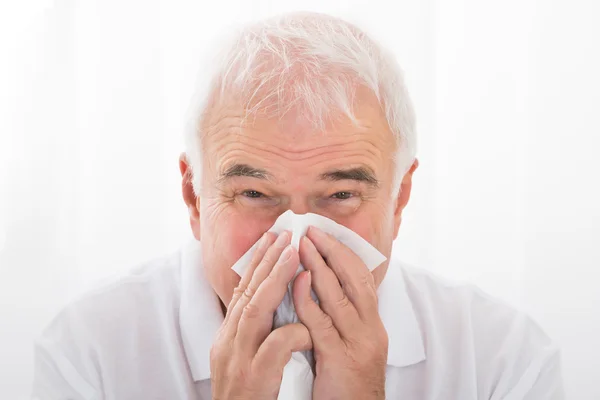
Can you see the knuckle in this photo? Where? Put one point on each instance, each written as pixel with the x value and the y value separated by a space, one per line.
pixel 241 375
pixel 327 323
pixel 251 311
pixel 343 302
pixel 249 292
pixel 367 280
pixel 237 293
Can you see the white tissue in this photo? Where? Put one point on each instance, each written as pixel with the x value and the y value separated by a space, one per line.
pixel 298 374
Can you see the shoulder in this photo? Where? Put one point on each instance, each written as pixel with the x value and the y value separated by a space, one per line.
pixel 459 321
pixel 440 296
pixel 119 302
pixel 455 302
pixel 75 355
pixel 462 306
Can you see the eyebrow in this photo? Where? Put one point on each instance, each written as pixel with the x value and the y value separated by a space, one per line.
pixel 359 174
pixel 244 170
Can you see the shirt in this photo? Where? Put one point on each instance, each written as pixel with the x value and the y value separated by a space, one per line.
pixel 147 335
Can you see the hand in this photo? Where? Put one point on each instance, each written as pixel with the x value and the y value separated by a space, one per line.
pixel 247 359
pixel 349 340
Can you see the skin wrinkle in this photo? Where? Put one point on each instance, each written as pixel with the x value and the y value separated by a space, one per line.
pixel 296 156
pixel 222 139
pixel 359 174
pixel 222 136
pixel 232 156
pixel 298 119
pixel 211 126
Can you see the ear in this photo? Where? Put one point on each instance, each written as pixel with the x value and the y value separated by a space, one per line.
pixel 189 197
pixel 403 196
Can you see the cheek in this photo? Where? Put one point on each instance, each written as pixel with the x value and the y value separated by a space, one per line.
pixel 362 226
pixel 226 236
pixel 371 226
pixel 375 228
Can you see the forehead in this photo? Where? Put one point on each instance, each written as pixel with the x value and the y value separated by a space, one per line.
pixel 292 139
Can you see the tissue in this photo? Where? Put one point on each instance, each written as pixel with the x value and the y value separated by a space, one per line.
pixel 298 374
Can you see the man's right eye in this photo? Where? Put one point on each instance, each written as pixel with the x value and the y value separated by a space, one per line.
pixel 253 194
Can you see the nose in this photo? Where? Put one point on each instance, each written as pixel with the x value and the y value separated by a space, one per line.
pixel 300 205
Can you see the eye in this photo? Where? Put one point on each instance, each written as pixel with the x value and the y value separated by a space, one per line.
pixel 342 195
pixel 253 194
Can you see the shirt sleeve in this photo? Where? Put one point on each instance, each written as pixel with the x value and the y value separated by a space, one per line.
pixel 56 378
pixel 529 364
pixel 515 358
pixel 541 381
pixel 63 363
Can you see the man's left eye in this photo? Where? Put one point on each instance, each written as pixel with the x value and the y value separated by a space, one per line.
pixel 342 195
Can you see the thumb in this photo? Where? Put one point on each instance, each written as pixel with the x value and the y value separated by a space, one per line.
pixel 319 324
pixel 303 301
pixel 278 347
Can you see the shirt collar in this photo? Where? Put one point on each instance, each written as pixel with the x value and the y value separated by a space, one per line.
pixel 200 315
pixel 405 342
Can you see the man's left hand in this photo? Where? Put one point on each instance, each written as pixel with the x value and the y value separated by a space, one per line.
pixel 349 340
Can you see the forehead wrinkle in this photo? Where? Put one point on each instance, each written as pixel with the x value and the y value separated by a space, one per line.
pixel 230 139
pixel 224 120
pixel 272 154
pixel 298 154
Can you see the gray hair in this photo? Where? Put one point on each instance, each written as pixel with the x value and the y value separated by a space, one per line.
pixel 308 61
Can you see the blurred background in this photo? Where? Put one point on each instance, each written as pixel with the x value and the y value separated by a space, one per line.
pixel 93 96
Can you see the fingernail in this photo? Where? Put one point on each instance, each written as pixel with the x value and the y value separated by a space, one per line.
pixel 309 278
pixel 308 242
pixel 283 237
pixel 315 231
pixel 287 254
pixel 263 240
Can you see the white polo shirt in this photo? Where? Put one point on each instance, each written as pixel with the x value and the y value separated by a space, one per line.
pixel 148 335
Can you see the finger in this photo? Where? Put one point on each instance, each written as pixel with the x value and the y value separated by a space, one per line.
pixel 332 299
pixel 322 330
pixel 266 241
pixel 257 319
pixel 260 273
pixel 277 349
pixel 356 279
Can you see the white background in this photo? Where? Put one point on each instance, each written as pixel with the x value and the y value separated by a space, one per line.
pixel 507 93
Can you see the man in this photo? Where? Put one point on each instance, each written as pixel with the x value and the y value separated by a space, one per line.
pixel 304 112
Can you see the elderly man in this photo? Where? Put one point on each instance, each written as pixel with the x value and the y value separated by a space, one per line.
pixel 304 112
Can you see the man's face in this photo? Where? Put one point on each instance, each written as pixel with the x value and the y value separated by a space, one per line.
pixel 251 175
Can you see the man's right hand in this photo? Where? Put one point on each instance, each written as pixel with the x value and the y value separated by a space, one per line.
pixel 247 358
